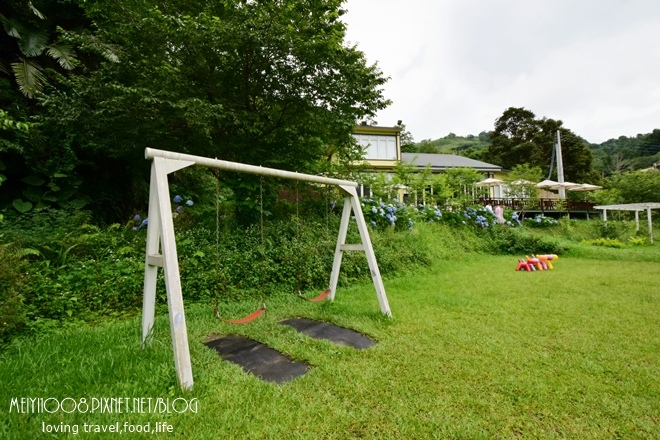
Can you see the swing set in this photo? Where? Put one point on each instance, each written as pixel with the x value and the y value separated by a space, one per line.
pixel 161 247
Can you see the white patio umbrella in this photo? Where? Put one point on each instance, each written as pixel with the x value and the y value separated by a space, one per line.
pixel 585 187
pixel 489 182
pixel 565 185
pixel 547 183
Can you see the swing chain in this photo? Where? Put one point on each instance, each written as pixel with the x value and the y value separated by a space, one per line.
pixel 263 245
pixel 298 276
pixel 216 311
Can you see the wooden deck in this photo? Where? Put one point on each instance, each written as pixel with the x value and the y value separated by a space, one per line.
pixel 555 208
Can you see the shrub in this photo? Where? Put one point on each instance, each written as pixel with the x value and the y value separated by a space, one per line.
pixel 540 221
pixel 382 215
pixel 516 241
pixel 638 240
pixel 428 213
pixel 605 242
pixel 614 229
pixel 471 216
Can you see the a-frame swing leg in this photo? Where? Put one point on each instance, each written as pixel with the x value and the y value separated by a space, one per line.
pixel 161 229
pixel 153 261
pixel 352 203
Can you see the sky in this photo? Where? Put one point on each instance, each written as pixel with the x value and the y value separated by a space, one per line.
pixel 456 65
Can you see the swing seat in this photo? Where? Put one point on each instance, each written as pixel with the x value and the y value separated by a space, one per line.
pixel 251 317
pixel 319 298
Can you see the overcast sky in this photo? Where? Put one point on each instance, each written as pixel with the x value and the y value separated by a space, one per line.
pixel 456 65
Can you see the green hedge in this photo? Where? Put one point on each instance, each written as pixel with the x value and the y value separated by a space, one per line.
pixel 58 268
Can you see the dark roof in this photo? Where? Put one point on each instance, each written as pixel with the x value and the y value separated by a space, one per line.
pixel 360 129
pixel 444 161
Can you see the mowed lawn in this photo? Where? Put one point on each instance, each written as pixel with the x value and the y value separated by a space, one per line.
pixel 474 350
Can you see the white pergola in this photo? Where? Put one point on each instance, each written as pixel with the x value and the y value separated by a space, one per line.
pixel 637 207
pixel 161 245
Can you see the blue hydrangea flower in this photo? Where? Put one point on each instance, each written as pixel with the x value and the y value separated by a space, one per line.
pixel 178 199
pixel 137 218
pixel 373 223
pixel 189 203
pixel 179 209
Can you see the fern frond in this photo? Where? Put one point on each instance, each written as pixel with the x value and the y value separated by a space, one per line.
pixel 32 43
pixel 63 54
pixel 12 27
pixel 29 76
pixel 35 11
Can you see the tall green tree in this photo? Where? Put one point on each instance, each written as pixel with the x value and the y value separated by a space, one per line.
pixel 263 82
pixel 521 138
pixel 633 187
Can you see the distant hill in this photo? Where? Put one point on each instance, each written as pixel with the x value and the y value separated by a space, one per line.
pixel 627 153
pixel 469 146
pixel 614 155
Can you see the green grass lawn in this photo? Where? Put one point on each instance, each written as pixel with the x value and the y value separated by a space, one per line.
pixel 474 350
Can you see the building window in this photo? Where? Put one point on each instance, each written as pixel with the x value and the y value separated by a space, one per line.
pixel 364 191
pixel 377 146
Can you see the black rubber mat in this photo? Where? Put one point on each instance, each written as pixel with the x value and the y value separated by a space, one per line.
pixel 257 358
pixel 331 332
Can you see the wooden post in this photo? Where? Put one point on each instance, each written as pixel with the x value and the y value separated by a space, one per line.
pixel 339 248
pixel 352 204
pixel 650 222
pixel 168 260
pixel 560 167
pixel 369 251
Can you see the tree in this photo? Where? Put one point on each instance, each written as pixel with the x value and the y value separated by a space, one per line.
pixel 520 138
pixel 635 187
pixel 407 140
pixel 259 82
pixel 460 182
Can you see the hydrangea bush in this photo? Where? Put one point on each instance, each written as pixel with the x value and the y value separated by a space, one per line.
pixel 140 223
pixel 541 221
pixel 472 216
pixel 382 215
pixel 428 213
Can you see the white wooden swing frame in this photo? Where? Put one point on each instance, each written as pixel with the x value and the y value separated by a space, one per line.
pixel 161 245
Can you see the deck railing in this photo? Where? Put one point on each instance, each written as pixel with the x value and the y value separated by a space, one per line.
pixel 539 204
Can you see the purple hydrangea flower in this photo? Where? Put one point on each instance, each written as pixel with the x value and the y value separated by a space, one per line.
pixel 178 199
